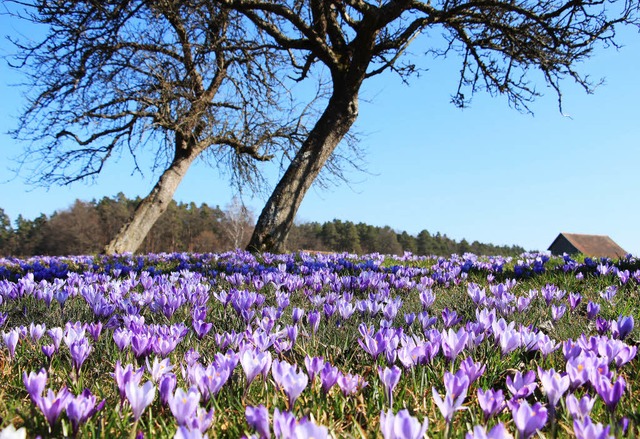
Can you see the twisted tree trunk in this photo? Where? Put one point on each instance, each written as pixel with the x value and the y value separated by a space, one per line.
pixel 278 214
pixel 132 234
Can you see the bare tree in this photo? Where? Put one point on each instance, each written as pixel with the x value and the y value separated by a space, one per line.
pixel 180 78
pixel 238 221
pixel 502 46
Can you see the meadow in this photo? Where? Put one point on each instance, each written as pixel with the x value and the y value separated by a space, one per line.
pixel 337 345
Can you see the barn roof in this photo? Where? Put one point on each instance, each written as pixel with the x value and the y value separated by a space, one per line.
pixel 593 245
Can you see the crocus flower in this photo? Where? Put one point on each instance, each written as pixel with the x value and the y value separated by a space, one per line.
pixel 624 355
pixel 48 350
pixel 329 376
pixel 81 408
pixel 183 404
pixel 350 384
pixel 11 341
pixel 124 376
pixel 36 331
pixel 471 369
pixel 51 404
pixel 314 365
pixel 491 401
pixel 528 419
pixel 202 420
pixel 499 431
pixel 610 392
pixel 592 310
pixel 139 397
pixel 622 327
pixel 520 385
pixel 402 425
pixel 314 320
pixel 255 363
pixel 586 429
pixel 284 424
pixel 453 342
pixel 554 385
pixel 579 409
pixel 183 432
pixel 308 429
pixel 166 386
pixel 451 403
pixel 159 368
pixel 258 419
pixel 289 379
pixel 10 432
pixel 390 377
pixel 35 384
pixel 80 350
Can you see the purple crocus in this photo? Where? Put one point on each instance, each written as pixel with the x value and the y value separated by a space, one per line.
pixel 528 419
pixel 183 404
pixel 390 378
pixel 586 429
pixel 402 425
pixel 81 408
pixel 314 365
pixel 35 384
pixel 456 387
pixel 329 376
pixel 80 350
pixel 36 331
pixel 139 397
pixel 314 320
pixel 609 391
pixel 554 385
pixel 592 310
pixel 255 363
pixel 51 404
pixel 622 327
pixel 289 379
pixel 184 432
pixel 284 424
pixel 159 368
pixel 308 429
pixel 48 350
pixel 521 385
pixel 491 401
pixel 202 420
pixel 124 376
pixel 471 369
pixel 350 383
pixel 453 342
pixel 11 339
pixel 574 300
pixel 258 419
pixel 166 386
pixel 499 431
pixel 579 409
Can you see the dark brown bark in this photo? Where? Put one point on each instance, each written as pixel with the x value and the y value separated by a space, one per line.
pixel 278 214
pixel 132 234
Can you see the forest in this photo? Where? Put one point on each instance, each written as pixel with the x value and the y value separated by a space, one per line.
pixel 87 226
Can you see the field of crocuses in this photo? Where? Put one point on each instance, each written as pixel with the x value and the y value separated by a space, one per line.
pixel 315 346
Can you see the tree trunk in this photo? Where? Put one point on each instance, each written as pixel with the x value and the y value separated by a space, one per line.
pixel 277 216
pixel 131 235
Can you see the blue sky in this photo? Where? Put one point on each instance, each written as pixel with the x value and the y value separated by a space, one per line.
pixel 486 173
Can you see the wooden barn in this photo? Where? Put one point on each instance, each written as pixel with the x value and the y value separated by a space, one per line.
pixel 596 246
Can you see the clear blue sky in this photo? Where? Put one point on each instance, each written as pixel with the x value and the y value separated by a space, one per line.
pixel 486 173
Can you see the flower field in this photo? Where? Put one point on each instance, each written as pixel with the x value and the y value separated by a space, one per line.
pixel 314 346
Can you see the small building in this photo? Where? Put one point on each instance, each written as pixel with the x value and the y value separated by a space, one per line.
pixel 595 246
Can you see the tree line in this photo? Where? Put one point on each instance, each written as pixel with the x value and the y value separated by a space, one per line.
pixel 87 226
